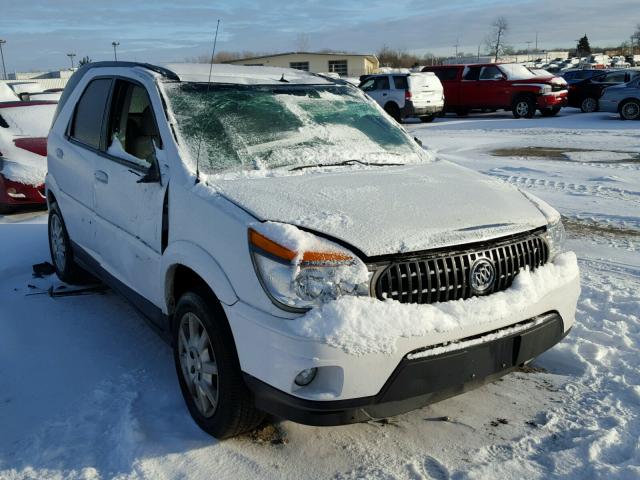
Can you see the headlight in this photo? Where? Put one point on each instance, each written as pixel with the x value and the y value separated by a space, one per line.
pixel 545 89
pixel 299 270
pixel 555 238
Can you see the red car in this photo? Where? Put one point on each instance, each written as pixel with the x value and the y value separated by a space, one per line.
pixel 24 127
pixel 494 86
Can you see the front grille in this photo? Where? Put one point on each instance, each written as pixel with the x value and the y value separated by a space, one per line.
pixel 444 275
pixel 556 87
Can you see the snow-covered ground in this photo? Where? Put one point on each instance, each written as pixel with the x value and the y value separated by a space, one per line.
pixel 87 390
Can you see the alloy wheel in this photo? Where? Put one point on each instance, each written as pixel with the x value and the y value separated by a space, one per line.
pixel 589 105
pixel 58 246
pixel 198 364
pixel 522 108
pixel 631 110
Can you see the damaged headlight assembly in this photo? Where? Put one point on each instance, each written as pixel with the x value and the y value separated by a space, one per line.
pixel 298 281
pixel 556 237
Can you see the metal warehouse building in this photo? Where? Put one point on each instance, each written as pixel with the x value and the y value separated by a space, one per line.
pixel 344 64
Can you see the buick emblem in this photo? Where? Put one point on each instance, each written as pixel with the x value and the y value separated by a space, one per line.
pixel 482 275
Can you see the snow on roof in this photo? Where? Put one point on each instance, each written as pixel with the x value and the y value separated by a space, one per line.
pixel 245 75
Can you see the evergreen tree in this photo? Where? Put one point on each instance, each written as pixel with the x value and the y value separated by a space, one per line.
pixel 583 49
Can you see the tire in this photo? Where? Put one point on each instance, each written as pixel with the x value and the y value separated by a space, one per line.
pixel 5 209
pixel 630 110
pixel 61 251
pixel 549 112
pixel 220 402
pixel 524 107
pixel 462 112
pixel 589 105
pixel 394 111
pixel 427 118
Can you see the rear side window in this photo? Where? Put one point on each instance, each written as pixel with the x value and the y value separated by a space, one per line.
pixel 87 120
pixel 400 82
pixel 472 73
pixel 446 74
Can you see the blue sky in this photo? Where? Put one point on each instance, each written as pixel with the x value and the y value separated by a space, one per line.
pixel 40 33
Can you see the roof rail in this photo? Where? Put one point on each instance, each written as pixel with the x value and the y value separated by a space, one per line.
pixel 77 76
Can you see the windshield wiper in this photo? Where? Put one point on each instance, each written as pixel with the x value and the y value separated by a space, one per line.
pixel 346 162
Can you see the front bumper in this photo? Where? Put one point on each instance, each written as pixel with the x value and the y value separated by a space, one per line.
pixel 272 352
pixel 420 380
pixel 553 99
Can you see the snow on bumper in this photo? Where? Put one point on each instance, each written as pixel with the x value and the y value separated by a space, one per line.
pixel 360 341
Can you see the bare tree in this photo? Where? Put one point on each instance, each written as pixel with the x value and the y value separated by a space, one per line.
pixel 302 42
pixel 495 40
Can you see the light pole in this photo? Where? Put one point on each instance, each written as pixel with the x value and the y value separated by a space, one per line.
pixel 71 55
pixel 115 52
pixel 4 70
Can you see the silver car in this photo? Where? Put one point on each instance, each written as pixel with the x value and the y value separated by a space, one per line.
pixel 623 99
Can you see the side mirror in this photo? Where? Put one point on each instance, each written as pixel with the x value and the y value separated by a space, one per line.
pixel 152 175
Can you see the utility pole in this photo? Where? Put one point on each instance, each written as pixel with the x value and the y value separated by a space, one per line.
pixel 4 70
pixel 456 46
pixel 115 52
pixel 71 55
pixel 478 54
pixel 528 48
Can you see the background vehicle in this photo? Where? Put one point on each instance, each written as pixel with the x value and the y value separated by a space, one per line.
pixel 500 86
pixel 586 93
pixel 406 95
pixel 23 150
pixel 236 268
pixel 577 75
pixel 623 99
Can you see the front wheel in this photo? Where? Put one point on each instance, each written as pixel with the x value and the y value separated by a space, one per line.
pixel 630 110
pixel 61 252
pixel 524 107
pixel 208 369
pixel 549 112
pixel 589 105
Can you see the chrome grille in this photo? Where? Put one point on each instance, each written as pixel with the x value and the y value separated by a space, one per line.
pixel 444 276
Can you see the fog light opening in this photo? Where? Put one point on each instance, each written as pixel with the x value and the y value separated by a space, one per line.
pixel 305 377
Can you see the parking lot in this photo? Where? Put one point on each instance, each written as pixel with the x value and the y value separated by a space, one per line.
pixel 87 390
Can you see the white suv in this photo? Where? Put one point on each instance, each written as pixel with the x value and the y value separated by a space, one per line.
pixel 406 95
pixel 300 252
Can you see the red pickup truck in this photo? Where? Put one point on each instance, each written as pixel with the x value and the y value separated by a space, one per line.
pixel 497 86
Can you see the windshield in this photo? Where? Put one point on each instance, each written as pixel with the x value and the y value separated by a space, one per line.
pixel 516 71
pixel 239 127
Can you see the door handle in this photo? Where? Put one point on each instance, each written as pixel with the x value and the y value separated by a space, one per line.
pixel 385 94
pixel 59 153
pixel 101 176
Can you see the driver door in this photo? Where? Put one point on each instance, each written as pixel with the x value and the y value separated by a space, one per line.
pixel 129 193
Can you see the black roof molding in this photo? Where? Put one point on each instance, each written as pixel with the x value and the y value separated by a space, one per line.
pixel 81 72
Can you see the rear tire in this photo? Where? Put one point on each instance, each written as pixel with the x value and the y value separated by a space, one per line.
pixel 462 112
pixel 549 112
pixel 524 107
pixel 394 111
pixel 427 118
pixel 589 105
pixel 220 402
pixel 61 250
pixel 630 110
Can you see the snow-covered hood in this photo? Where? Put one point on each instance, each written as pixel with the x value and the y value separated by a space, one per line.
pixel 385 210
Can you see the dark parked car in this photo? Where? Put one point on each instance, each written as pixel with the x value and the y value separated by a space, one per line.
pixel 585 95
pixel 575 76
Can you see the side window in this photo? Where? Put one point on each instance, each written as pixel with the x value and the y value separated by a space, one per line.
pixel 472 73
pixel 615 77
pixel 400 82
pixel 382 83
pixel 87 120
pixel 368 85
pixel 133 132
pixel 490 73
pixel 446 74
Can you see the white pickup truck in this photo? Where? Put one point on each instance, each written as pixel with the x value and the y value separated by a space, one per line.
pixel 405 95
